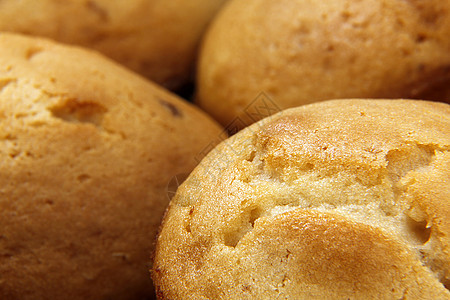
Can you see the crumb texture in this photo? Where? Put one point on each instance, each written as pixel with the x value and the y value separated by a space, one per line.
pixel 344 199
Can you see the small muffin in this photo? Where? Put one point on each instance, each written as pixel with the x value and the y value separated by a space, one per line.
pixel 303 51
pixel 86 151
pixel 344 199
pixel 156 38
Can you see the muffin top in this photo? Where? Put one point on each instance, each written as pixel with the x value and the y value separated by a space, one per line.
pixel 86 151
pixel 156 38
pixel 303 51
pixel 343 199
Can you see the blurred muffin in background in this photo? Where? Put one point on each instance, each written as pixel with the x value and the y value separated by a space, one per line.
pixel 87 149
pixel 156 38
pixel 304 51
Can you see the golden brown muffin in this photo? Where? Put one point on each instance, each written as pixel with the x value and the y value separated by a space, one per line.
pixel 86 151
pixel 304 51
pixel 345 199
pixel 157 38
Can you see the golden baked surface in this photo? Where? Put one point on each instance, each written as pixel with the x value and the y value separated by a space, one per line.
pixel 345 199
pixel 86 151
pixel 157 38
pixel 303 51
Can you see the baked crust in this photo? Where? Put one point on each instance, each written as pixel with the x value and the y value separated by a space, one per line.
pixel 304 51
pixel 156 38
pixel 86 151
pixel 344 199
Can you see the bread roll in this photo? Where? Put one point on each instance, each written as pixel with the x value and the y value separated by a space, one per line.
pixel 345 199
pixel 157 38
pixel 87 149
pixel 303 51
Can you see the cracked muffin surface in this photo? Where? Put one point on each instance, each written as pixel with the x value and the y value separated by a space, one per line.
pixel 344 199
pixel 86 151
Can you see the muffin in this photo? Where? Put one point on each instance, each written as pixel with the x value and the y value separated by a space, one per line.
pixel 156 38
pixel 304 51
pixel 86 150
pixel 343 199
